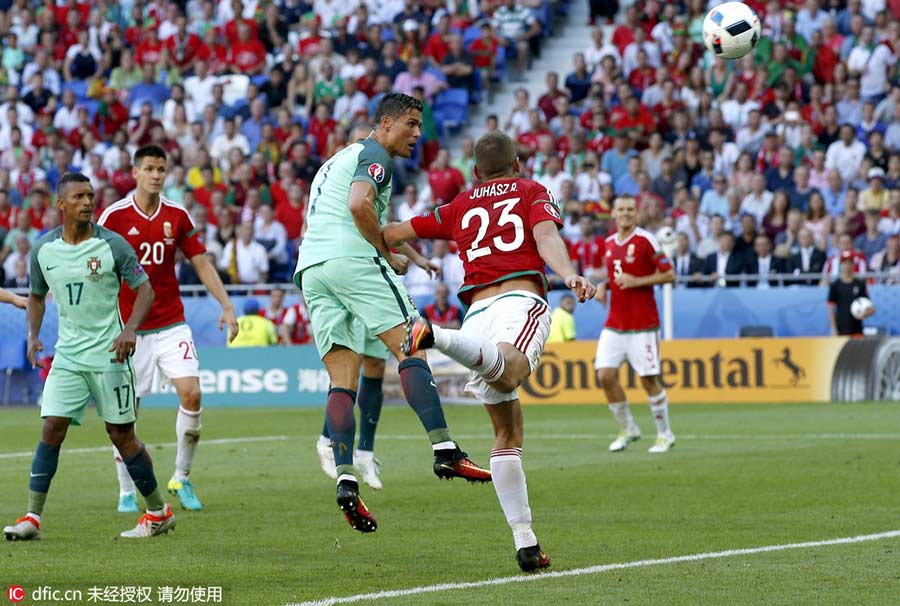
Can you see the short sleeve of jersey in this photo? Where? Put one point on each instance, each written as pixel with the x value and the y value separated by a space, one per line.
pixel 373 165
pixel 127 264
pixel 543 206
pixel 436 224
pixel 832 294
pixel 191 243
pixel 660 260
pixel 38 283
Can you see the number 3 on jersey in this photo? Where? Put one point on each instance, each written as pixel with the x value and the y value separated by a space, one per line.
pixel 617 268
pixel 484 219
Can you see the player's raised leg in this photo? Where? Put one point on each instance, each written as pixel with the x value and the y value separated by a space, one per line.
pixel 43 468
pixel 187 430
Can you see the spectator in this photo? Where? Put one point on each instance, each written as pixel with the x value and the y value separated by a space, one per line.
pixel 872 241
pixel 554 177
pixel 292 213
pixel 229 139
pixel 273 237
pixel 587 252
pixel 626 185
pixel 688 267
pixel 445 180
pixel 723 263
pixel 256 330
pixel 465 161
pixel 19 254
pixel 710 243
pixel 845 249
pixel 818 221
pixel 781 177
pixel 451 265
pixel 758 202
pixel 18 277
pixel 615 161
pixel 692 223
pixel 148 90
pixel 458 65
pixel 870 60
pixel 245 260
pixel 763 263
pixel 875 197
pixel 715 201
pixel 516 27
pixel 888 261
pixel 776 220
pixel 416 76
pixel 845 155
pixel 841 294
pixel 562 321
pixel 442 312
pixel 808 259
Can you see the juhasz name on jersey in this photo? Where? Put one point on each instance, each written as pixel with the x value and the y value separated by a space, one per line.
pixel 493 189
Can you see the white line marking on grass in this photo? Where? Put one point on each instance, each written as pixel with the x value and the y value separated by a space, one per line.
pixel 575 572
pixel 68 451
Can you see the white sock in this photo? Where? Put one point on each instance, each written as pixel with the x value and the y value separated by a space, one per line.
pixel 323 441
pixel 659 406
pixel 346 477
pixel 187 428
pixel 622 413
pixel 366 455
pixel 509 484
pixel 443 446
pixel 474 353
pixel 159 513
pixel 35 516
pixel 126 484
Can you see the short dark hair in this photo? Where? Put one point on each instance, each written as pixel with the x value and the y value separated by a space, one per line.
pixel 495 154
pixel 394 105
pixel 69 178
pixel 149 151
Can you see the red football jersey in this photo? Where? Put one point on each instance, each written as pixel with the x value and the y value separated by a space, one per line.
pixel 492 224
pixel 155 239
pixel 640 255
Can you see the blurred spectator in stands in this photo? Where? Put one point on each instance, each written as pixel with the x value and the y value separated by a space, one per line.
pixel 888 261
pixel 615 161
pixel 786 241
pixel 452 272
pixel 588 250
pixel 846 154
pixel 19 254
pixel 875 197
pixel 710 243
pixel 834 194
pixel 518 121
pixel 412 205
pixel 715 200
pixel 890 223
pixel 442 312
pixel 416 76
pixel 763 263
pixel 692 223
pixel 781 177
pixel 855 218
pixel 554 177
pixel 276 312
pixel 872 241
pixel 758 202
pixel 458 65
pixel 870 61
pixel 590 180
pixel 18 277
pixel 23 228
pixel 245 260
pixel 562 321
pixel 668 180
pixel 465 161
pixel 818 221
pixel 229 139
pixel 626 184
pixel 51 221
pixel 273 236
pixel 256 330
pixel 807 259
pixel 518 31
pixel 687 265
pixel 484 53
pixel 445 181
pixel 725 262
pixel 743 244
pixel 844 245
pixel 776 220
pixel 843 290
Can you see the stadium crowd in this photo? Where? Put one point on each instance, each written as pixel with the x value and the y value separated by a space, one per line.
pixel 774 164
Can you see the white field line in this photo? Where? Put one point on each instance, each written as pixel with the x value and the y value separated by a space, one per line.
pixel 531 437
pixel 108 447
pixel 576 572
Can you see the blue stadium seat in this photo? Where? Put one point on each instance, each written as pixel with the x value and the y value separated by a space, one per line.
pixel 79 87
pixel 436 72
pixel 472 33
pixel 259 80
pixel 91 105
pixel 13 353
pixel 451 108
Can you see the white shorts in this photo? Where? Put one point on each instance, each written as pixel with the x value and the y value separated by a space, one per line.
pixel 641 349
pixel 517 317
pixel 170 352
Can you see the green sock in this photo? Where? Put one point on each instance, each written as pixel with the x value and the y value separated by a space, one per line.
pixel 36 501
pixel 155 500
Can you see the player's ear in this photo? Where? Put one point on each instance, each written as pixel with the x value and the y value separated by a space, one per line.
pixel 516 165
pixel 476 172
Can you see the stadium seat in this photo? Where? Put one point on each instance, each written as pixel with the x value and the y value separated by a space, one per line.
pixel 756 331
pixel 259 80
pixel 79 87
pixel 13 357
pixel 451 108
pixel 472 33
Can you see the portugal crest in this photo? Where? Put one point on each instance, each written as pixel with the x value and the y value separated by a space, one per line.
pixel 93 265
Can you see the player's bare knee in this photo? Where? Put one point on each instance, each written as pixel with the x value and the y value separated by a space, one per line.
pixel 54 431
pixel 122 436
pixel 651 384
pixel 373 368
pixel 190 398
pixel 609 377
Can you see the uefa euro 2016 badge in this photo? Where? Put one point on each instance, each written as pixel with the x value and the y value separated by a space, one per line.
pixel 629 254
pixel 168 234
pixel 93 265
pixel 376 171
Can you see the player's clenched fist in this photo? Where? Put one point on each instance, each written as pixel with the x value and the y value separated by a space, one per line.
pixel 399 263
pixel 124 344
pixel 581 287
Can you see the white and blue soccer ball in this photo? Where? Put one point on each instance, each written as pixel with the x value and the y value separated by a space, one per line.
pixel 731 30
pixel 860 307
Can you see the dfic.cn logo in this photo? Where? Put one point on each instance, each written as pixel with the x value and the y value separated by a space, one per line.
pixel 15 593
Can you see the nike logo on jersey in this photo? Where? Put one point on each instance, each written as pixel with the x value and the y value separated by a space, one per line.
pixel 433 384
pixel 133 231
pixel 51 268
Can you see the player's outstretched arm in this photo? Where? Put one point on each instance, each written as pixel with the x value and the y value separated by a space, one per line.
pixel 13 299
pixel 35 313
pixel 125 343
pixel 398 234
pixel 554 253
pixel 362 208
pixel 213 283
pixel 433 269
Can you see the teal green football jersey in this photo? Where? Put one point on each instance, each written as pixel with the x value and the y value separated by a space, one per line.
pixel 84 279
pixel 330 230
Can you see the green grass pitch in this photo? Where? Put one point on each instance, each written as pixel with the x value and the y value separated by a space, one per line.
pixel 740 477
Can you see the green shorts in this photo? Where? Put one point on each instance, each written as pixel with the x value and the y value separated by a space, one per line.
pixel 340 292
pixel 67 392
pixel 372 346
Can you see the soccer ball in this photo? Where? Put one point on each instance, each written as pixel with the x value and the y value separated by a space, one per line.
pixel 860 307
pixel 731 30
pixel 666 237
